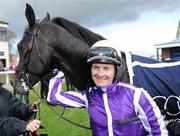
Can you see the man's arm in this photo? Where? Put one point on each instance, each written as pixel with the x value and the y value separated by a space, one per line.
pixel 153 121
pixel 12 126
pixel 20 110
pixel 66 99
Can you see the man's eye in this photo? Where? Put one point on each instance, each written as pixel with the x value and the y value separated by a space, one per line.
pixel 95 67
pixel 106 68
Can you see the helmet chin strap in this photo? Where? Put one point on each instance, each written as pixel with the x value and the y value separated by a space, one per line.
pixel 115 80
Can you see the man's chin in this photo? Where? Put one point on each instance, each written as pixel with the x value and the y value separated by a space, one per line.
pixel 101 85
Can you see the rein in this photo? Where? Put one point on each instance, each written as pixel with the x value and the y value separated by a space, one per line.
pixel 59 115
pixel 25 78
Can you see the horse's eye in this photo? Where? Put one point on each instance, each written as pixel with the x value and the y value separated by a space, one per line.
pixel 22 45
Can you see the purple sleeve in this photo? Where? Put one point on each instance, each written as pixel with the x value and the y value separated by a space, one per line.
pixel 66 99
pixel 152 118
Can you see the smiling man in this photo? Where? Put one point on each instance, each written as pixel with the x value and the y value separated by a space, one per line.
pixel 102 74
pixel 108 101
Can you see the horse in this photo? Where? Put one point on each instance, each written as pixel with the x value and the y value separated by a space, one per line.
pixel 60 44
pixel 54 44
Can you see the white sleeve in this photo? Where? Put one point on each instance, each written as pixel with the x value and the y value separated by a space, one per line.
pixel 66 99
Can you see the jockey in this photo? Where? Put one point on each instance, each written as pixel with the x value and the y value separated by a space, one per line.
pixel 109 102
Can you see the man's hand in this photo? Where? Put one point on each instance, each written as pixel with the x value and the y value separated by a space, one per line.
pixel 33 126
pixel 34 107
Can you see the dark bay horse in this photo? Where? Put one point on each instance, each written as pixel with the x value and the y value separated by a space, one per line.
pixel 54 44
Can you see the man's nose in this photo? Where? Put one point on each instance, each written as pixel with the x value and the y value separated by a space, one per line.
pixel 100 73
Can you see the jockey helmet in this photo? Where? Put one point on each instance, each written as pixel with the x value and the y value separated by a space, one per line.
pixel 104 51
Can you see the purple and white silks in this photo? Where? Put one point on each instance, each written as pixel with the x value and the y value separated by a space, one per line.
pixel 119 101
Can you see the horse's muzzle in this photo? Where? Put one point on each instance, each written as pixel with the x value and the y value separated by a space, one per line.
pixel 19 87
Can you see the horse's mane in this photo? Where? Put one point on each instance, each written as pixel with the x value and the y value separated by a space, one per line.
pixel 89 38
pixel 78 31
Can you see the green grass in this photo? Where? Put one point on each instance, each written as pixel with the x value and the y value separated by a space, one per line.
pixel 56 126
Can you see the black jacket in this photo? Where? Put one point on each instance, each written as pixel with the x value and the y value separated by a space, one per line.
pixel 13 114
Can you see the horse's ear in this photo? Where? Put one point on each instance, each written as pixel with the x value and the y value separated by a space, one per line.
pixel 47 18
pixel 29 12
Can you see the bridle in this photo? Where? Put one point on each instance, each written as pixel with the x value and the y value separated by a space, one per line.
pixel 24 78
pixel 25 74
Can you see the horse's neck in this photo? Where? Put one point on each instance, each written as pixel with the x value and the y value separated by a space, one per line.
pixel 70 56
pixel 77 72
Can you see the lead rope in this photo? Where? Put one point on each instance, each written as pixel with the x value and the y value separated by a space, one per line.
pixel 74 123
pixel 55 112
pixel 39 114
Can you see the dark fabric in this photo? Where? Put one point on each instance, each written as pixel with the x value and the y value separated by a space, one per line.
pixel 161 80
pixel 143 59
pixel 13 114
pixel 174 128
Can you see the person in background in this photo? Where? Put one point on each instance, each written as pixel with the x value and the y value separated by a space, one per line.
pixel 14 115
pixel 109 102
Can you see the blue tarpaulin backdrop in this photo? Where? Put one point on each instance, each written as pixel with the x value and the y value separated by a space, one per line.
pixel 159 79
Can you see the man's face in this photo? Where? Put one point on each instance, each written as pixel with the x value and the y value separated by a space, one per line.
pixel 102 74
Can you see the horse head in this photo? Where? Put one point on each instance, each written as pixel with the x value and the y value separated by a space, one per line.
pixel 28 52
pixel 46 46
